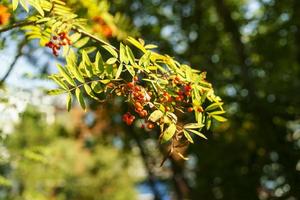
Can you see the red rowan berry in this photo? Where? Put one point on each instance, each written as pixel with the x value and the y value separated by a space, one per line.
pixel 190 109
pixel 150 125
pixel 130 84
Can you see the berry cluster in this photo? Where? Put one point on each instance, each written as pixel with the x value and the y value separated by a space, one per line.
pixel 102 27
pixel 56 42
pixel 128 118
pixel 139 98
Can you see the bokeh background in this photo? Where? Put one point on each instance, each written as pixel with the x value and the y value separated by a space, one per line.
pixel 251 51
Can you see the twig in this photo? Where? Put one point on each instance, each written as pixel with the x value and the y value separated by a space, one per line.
pixel 17 25
pixel 151 177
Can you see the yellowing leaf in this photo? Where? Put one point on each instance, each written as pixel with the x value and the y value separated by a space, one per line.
pixel 187 136
pixel 168 133
pixel 15 4
pixel 219 118
pixel 193 126
pixel 155 116
pixel 111 61
pixel 56 92
pixel 136 43
pixel 197 133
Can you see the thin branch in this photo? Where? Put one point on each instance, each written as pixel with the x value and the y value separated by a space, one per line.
pixel 17 25
pixel 12 65
pixel 151 177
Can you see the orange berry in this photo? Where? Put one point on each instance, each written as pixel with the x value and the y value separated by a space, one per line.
pixel 190 109
pixel 150 125
pixel 130 84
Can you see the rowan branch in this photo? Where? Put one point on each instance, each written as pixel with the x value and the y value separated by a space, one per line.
pixel 17 25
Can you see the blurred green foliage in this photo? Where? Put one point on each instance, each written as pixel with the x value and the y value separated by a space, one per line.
pixel 48 162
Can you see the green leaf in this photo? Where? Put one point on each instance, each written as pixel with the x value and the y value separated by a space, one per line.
pixel 123 56
pixel 151 46
pixel 71 58
pixel 213 106
pixel 187 136
pixel 15 4
pixel 69 102
pixel 66 75
pixel 97 87
pixel 89 91
pixel 56 92
pixel 219 118
pixel 111 61
pixel 24 5
pixel 80 99
pixel 76 73
pixel 60 82
pixel 119 71
pixel 75 37
pixel 197 133
pixel 80 43
pixel 192 126
pixel 217 112
pixel 99 62
pixel 85 57
pixel 105 81
pixel 168 133
pixel 130 56
pixel 136 43
pixel 172 116
pixel 155 116
pixel 37 6
pixel 130 70
pixel 87 68
pixel 111 50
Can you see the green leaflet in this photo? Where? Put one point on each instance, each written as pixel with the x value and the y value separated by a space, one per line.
pixel 168 133
pixel 219 118
pixel 111 50
pixel 56 92
pixel 197 133
pixel 65 74
pixel 69 101
pixel 193 126
pixel 155 116
pixel 187 136
pixel 80 99
pixel 119 71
